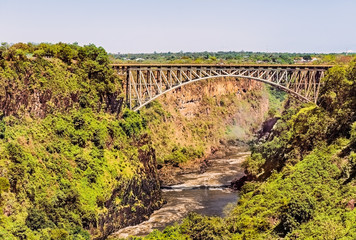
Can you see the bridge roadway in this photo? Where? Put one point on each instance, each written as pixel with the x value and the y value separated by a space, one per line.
pixel 146 82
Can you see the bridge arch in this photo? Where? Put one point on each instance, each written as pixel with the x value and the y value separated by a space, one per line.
pixel 145 83
pixel 295 94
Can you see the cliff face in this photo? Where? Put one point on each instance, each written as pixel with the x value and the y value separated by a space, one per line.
pixel 199 115
pixel 58 78
pixel 191 122
pixel 40 102
pixel 139 196
pixel 68 173
pixel 235 103
pixel 201 98
pixel 68 165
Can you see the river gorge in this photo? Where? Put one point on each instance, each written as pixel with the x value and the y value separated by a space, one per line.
pixel 206 193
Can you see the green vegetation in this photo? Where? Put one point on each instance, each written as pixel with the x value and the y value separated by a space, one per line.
pixel 62 169
pixel 58 172
pixel 305 184
pixel 276 98
pixel 71 158
pixel 233 58
pixel 56 77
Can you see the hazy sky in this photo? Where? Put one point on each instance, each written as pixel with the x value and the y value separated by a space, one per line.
pixel 187 25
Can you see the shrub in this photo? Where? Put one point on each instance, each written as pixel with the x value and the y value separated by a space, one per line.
pixel 37 219
pixel 299 210
pixel 4 184
pixel 2 129
pixel 132 123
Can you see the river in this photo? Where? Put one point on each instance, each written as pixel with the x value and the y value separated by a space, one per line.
pixel 207 193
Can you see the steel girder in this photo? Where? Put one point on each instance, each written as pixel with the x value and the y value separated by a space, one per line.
pixel 145 83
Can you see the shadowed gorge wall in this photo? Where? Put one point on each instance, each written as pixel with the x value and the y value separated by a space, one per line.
pixel 68 165
pixel 196 117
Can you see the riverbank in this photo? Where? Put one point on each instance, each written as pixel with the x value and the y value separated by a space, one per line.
pixel 172 174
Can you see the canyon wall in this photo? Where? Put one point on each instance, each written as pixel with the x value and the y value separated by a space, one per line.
pixel 199 115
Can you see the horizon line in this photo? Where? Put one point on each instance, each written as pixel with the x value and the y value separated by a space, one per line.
pixel 181 51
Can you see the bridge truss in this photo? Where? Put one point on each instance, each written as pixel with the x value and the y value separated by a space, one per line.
pixel 144 83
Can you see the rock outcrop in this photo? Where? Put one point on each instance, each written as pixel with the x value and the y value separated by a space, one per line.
pixel 133 201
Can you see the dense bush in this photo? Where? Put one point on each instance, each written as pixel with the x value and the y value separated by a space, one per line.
pixel 57 169
pixel 58 76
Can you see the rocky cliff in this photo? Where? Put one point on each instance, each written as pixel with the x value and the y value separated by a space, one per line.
pixel 192 121
pixel 139 196
pixel 69 166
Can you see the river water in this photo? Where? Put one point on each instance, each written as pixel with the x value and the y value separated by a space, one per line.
pixel 207 193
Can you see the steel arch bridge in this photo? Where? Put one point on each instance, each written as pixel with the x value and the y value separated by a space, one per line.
pixel 146 82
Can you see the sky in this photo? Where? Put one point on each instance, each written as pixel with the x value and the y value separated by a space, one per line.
pixel 133 26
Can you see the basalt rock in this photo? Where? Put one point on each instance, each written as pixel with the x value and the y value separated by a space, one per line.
pixel 39 103
pixel 267 127
pixel 134 200
pixel 237 183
